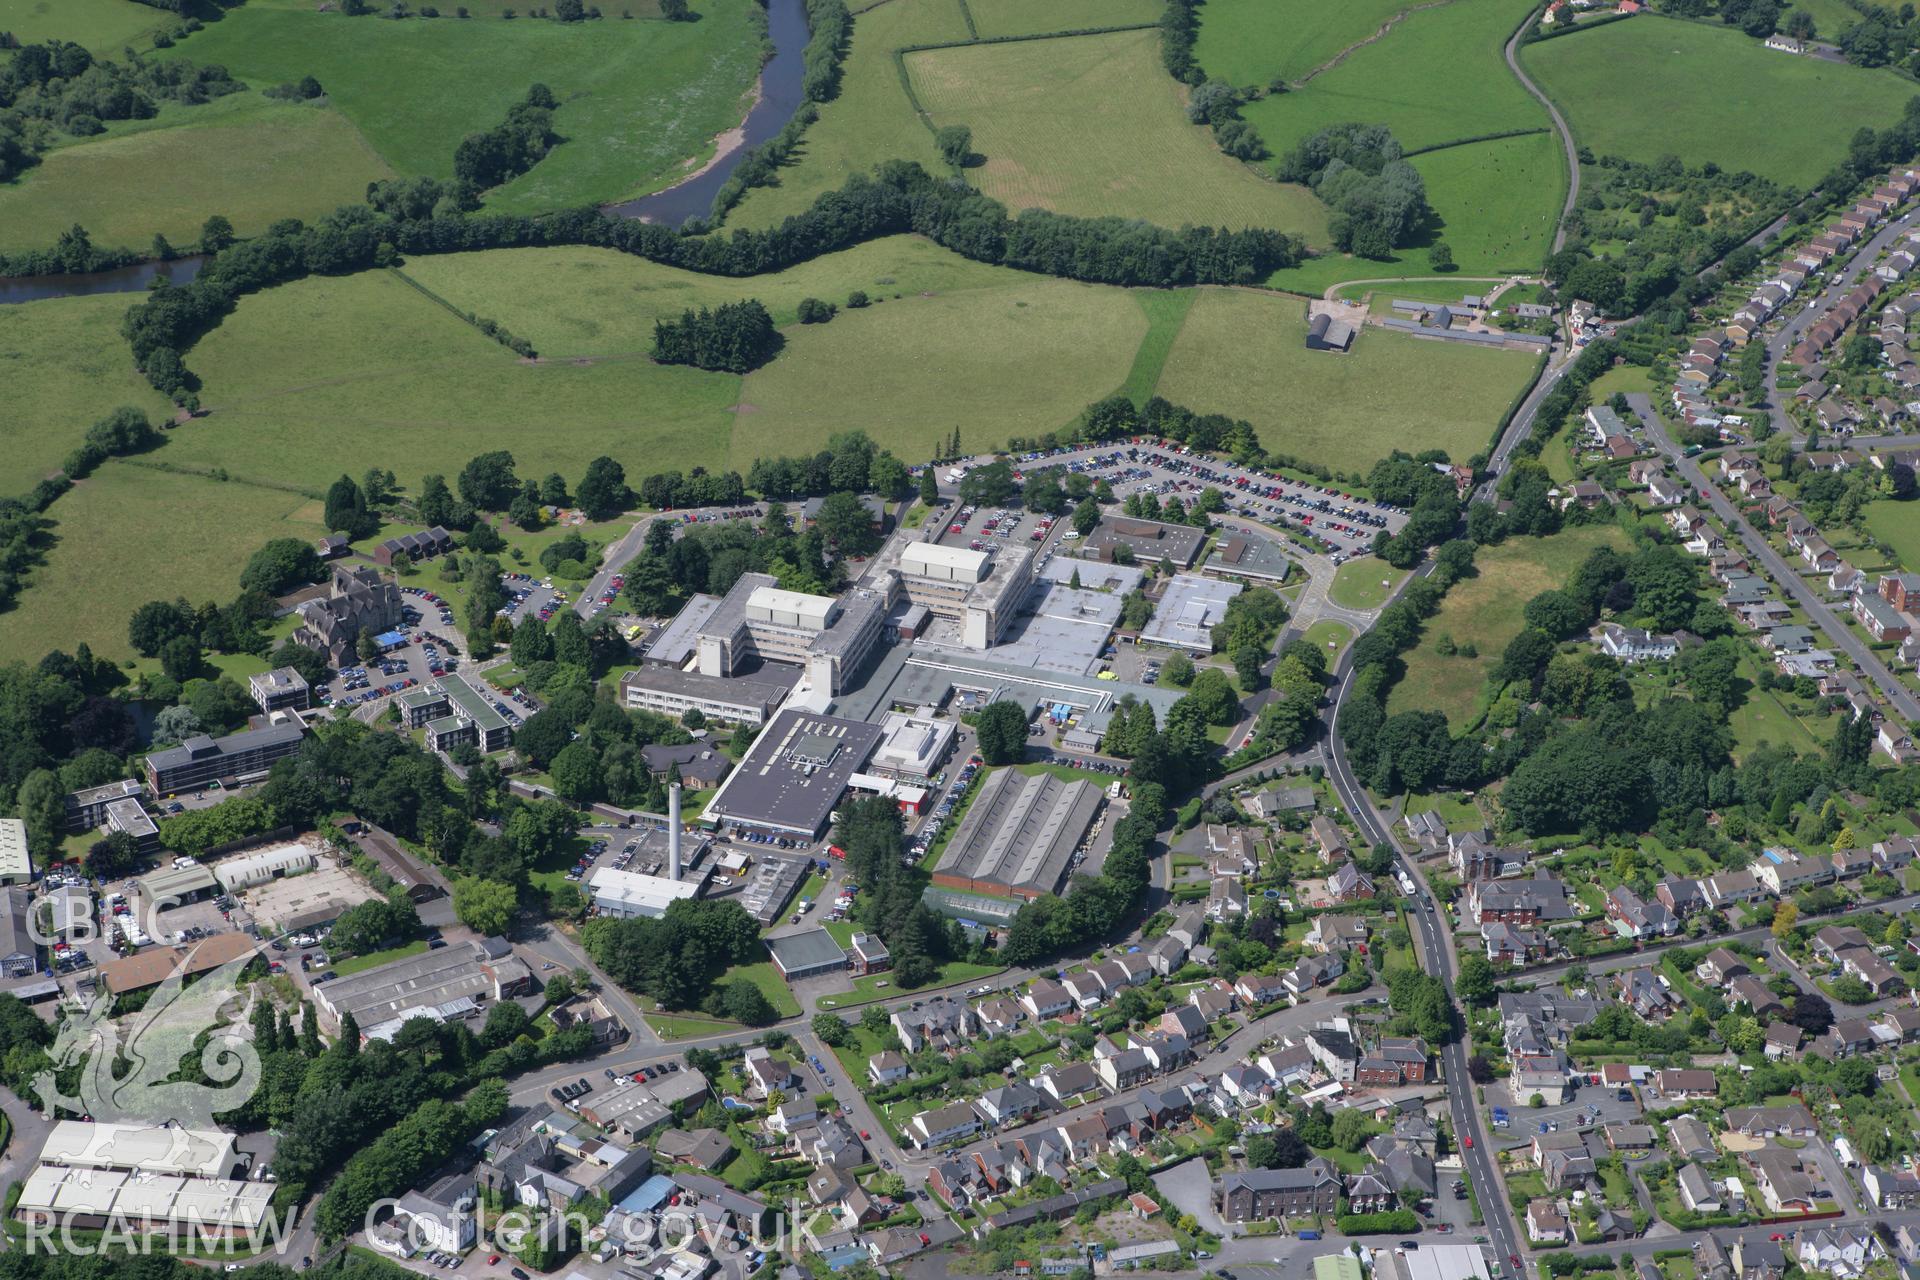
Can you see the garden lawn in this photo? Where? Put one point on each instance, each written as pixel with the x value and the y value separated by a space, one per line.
pixel 1250 42
pixel 763 975
pixel 1365 583
pixel 584 301
pixel 880 986
pixel 872 120
pixel 243 156
pixel 1243 353
pixel 64 367
pixel 993 18
pixel 1094 126
pixel 1895 524
pixel 637 99
pixel 104 26
pixel 1394 80
pixel 1023 359
pixel 112 552
pixel 1485 611
pixel 333 374
pixel 1652 87
pixel 1763 720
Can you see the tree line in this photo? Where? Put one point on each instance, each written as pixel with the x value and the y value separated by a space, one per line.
pixel 899 197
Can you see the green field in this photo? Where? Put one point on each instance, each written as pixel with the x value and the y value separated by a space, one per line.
pixel 1365 583
pixel 1166 311
pixel 1017 360
pixel 871 120
pixel 1093 126
pixel 1243 353
pixel 1434 289
pixel 993 18
pixel 1485 611
pixel 114 550
pixel 1897 525
pixel 1495 203
pixel 244 156
pixel 64 366
pixel 1437 77
pixel 1329 637
pixel 103 26
pixel 1652 87
pixel 1250 42
pixel 579 301
pixel 379 372
pixel 637 99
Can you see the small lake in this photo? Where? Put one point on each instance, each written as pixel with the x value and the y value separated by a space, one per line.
pixel 780 96
pixel 133 279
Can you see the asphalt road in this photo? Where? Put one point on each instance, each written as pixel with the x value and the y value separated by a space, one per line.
pixel 1838 634
pixel 1559 126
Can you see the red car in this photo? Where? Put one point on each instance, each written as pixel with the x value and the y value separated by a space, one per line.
pixel 1776 1236
pixel 1469 1142
pixel 865 1136
pixel 493 1259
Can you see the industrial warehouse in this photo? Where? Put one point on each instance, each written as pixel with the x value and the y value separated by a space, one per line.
pixel 1019 838
pixel 796 773
pixel 129 1177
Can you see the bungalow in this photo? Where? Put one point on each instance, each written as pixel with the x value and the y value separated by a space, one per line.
pixel 1790 1121
pixel 1698 1192
pixel 1692 1139
pixel 1685 1083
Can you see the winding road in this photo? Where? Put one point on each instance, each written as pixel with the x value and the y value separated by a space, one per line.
pixel 1559 126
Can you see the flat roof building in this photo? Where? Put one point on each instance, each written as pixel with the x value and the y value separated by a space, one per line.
pixel 674 644
pixel 172 886
pixel 130 1177
pixel 912 747
pixel 238 757
pixel 444 983
pixel 87 808
pixel 280 689
pixel 454 713
pixel 831 638
pixel 770 885
pixel 795 773
pixel 1188 612
pixel 15 866
pixel 130 817
pixel 735 699
pixel 628 893
pixel 1148 539
pixel 1019 835
pixel 980 592
pixel 1245 556
pixel 811 953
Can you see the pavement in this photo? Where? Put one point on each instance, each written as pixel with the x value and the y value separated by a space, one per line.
pixel 1841 637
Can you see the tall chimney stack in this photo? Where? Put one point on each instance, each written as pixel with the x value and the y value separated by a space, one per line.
pixel 673 832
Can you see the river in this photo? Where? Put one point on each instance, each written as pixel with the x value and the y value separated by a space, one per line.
pixel 781 94
pixel 133 279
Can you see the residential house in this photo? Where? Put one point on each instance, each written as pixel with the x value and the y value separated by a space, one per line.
pixel 1790 1121
pixel 1334 932
pixel 1697 1191
pixel 1257 1194
pixel 1720 967
pixel 1682 1084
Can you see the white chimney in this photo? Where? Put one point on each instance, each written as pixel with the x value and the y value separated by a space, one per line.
pixel 673 832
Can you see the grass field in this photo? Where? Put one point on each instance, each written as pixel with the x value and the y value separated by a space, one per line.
pixel 112 553
pixel 1243 353
pixel 332 374
pixel 64 366
pixel 1495 203
pixel 1897 525
pixel 243 156
pixel 1250 42
pixel 1485 611
pixel 103 26
pixel 1433 289
pixel 580 301
pixel 1093 126
pixel 872 120
pixel 1365 583
pixel 1644 89
pixel 1166 311
pixel 1035 17
pixel 1394 81
pixel 1017 360
pixel 637 99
